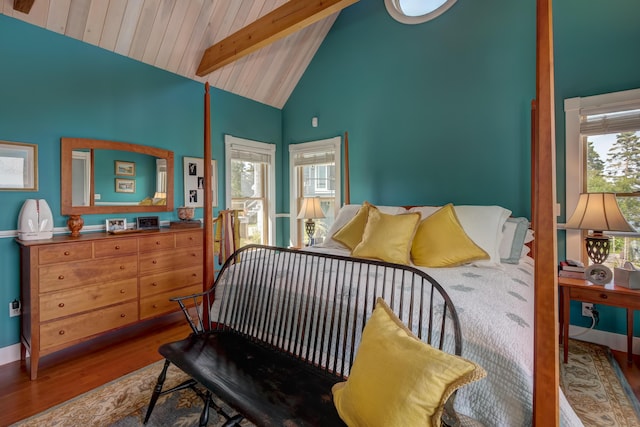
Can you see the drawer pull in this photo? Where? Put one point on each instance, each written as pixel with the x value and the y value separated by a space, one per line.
pixel 155 306
pixel 67 253
pixel 154 262
pixel 61 277
pixel 154 284
pixel 122 267
pixel 194 254
pixel 157 242
pixel 122 291
pixel 117 247
pixel 194 274
pixel 61 305
pixel 603 296
pixel 61 332
pixel 123 315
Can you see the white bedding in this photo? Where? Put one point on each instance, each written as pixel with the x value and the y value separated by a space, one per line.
pixel 495 307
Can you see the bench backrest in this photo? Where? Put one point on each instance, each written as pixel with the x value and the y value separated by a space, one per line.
pixel 314 306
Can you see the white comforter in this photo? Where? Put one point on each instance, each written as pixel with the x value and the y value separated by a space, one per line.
pixel 496 309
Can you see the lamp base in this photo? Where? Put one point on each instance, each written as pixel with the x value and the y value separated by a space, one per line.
pixel 598 274
pixel 310 228
pixel 598 247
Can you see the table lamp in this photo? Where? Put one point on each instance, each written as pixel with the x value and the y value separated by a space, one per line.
pixel 310 210
pixel 598 212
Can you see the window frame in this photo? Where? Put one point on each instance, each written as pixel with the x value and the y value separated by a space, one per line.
pixel 575 153
pixel 335 144
pixel 235 143
pixel 394 10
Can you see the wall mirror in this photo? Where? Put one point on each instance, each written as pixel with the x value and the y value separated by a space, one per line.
pixel 99 176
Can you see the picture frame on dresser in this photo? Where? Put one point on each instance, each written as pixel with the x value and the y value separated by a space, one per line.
pixel 194 182
pixel 113 225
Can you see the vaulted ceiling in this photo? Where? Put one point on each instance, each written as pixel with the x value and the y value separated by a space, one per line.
pixel 175 34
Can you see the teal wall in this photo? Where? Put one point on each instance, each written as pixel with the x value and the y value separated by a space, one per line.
pixel 53 86
pixel 440 112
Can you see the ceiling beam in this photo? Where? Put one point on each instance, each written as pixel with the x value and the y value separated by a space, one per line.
pixel 292 16
pixel 23 6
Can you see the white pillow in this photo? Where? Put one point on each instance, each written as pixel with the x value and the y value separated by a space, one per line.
pixel 513 239
pixel 345 214
pixel 484 225
pixel 425 211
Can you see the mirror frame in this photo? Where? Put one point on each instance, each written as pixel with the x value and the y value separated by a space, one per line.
pixel 67 145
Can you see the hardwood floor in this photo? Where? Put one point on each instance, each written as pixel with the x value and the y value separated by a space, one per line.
pixel 61 377
pixel 631 371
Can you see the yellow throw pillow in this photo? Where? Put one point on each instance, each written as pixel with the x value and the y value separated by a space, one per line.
pixel 397 379
pixel 387 237
pixel 440 241
pixel 351 234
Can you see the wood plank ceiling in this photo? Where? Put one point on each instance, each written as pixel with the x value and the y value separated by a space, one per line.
pixel 174 34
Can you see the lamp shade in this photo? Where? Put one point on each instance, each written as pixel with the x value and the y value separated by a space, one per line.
pixel 598 212
pixel 310 208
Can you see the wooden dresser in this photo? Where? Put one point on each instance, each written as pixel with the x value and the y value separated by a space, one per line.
pixel 74 289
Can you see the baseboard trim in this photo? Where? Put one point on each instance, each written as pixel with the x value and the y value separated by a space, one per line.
pixel 9 354
pixel 613 341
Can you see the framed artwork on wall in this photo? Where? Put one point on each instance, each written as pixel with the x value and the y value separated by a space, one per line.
pixel 194 182
pixel 125 185
pixel 125 168
pixel 18 166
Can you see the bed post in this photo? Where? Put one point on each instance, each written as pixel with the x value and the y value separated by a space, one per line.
pixel 208 199
pixel 546 364
pixel 347 188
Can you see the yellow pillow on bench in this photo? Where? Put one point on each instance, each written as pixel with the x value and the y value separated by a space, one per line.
pixel 397 379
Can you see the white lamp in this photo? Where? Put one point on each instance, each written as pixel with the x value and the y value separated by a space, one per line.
pixel 310 210
pixel 598 212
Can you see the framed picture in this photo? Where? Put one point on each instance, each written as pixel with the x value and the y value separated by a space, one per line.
pixel 125 185
pixel 116 224
pixel 18 166
pixel 194 182
pixel 125 168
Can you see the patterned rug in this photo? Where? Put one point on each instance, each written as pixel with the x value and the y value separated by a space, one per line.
pixel 596 388
pixel 592 382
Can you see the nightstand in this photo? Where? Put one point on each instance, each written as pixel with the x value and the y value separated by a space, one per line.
pixel 609 294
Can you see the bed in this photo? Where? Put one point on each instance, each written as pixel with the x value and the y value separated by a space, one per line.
pixel 548 403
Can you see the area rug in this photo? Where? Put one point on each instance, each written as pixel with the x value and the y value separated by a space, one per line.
pixel 592 382
pixel 596 387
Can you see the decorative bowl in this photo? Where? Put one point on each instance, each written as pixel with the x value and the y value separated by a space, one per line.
pixel 186 213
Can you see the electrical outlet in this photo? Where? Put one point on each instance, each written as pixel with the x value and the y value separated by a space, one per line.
pixel 14 309
pixel 586 309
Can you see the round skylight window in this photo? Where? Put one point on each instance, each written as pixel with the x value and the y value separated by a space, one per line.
pixel 417 11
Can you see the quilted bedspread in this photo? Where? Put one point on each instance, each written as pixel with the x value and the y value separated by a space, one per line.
pixel 496 311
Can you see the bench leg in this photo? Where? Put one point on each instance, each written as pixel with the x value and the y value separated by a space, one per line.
pixel 157 390
pixel 204 416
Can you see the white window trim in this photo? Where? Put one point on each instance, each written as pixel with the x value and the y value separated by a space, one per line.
pixel 233 142
pixel 313 146
pixel 574 179
pixel 394 10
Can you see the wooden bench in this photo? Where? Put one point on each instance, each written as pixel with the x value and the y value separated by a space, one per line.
pixel 280 327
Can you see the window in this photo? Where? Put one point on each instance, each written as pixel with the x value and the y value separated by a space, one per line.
pixel 315 172
pixel 603 155
pixel 417 11
pixel 250 188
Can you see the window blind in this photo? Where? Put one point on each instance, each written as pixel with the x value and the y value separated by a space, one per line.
pixel 314 158
pixel 610 122
pixel 250 156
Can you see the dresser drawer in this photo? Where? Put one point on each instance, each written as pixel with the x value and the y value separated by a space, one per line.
pixel 156 305
pixel 65 276
pixel 168 280
pixel 73 301
pixel 170 259
pixel 60 332
pixel 156 242
pixel 598 295
pixel 64 253
pixel 115 247
pixel 189 239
